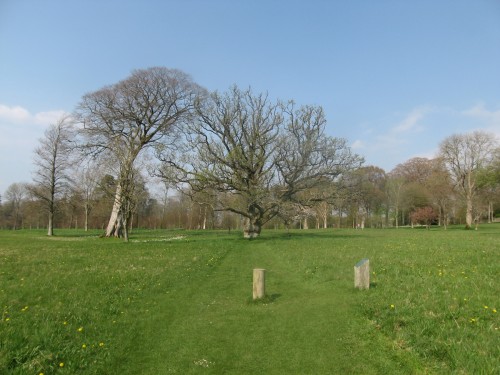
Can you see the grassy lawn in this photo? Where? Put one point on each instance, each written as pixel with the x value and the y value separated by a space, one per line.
pixel 180 303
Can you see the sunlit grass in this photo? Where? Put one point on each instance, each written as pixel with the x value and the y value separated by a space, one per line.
pixel 180 302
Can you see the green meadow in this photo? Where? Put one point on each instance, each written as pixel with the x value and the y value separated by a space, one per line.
pixel 180 302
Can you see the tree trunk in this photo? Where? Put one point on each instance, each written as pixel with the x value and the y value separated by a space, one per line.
pixel 115 223
pixel 86 217
pixel 50 226
pixel 468 214
pixel 305 223
pixel 251 227
pixel 125 227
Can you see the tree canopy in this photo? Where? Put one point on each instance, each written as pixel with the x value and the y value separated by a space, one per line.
pixel 122 120
pixel 263 153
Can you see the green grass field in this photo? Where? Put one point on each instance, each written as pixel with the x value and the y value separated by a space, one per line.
pixel 180 303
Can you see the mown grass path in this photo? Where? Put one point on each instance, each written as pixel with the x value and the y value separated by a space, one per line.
pixel 310 324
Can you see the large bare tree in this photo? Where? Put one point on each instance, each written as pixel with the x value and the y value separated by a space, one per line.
pixel 465 155
pixel 261 152
pixel 52 160
pixel 122 120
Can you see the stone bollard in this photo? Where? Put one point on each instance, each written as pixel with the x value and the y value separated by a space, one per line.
pixel 259 283
pixel 362 274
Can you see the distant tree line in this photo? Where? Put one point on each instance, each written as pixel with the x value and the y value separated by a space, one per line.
pixel 234 160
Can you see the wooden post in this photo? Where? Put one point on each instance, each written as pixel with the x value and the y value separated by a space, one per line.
pixel 259 283
pixel 362 274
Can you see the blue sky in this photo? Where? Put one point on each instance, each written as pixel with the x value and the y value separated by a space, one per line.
pixel 394 77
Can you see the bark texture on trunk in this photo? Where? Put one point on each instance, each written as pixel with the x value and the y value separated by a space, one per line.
pixel 115 224
pixel 251 228
pixel 86 225
pixel 305 224
pixel 50 227
pixel 468 214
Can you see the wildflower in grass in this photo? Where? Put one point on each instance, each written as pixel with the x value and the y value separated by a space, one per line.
pixel 486 307
pixel 61 364
pixel 24 308
pixel 65 323
pixel 101 344
pixel 473 320
pixel 80 329
pixel 392 306
pixel 494 311
pixel 7 319
pixel 84 346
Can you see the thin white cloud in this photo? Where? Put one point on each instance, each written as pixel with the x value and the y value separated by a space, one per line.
pixel 20 131
pixel 411 121
pixel 419 132
pixel 358 145
pixel 50 117
pixel 395 138
pixel 20 115
pixel 480 111
pixel 488 120
pixel 14 114
pixel 429 154
pixel 484 119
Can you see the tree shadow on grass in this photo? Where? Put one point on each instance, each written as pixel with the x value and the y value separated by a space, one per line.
pixel 312 233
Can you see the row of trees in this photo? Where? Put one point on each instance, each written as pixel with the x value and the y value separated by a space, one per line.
pixel 236 159
pixel 419 191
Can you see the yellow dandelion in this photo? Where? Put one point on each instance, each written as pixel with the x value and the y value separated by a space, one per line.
pixel 84 346
pixel 392 306
pixel 101 344
pixel 472 320
pixel 80 329
pixel 486 307
pixel 7 319
pixel 65 323
pixel 494 310
pixel 61 364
